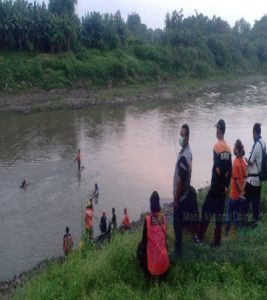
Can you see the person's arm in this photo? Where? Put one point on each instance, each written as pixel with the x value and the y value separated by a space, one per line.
pixel 252 157
pixel 144 236
pixel 238 185
pixel 245 181
pixel 179 191
pixel 229 173
pixel 183 169
pixel 216 162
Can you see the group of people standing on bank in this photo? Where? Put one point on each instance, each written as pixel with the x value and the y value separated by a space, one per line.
pixel 242 179
pixel 105 226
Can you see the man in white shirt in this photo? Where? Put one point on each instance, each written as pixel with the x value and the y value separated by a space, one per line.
pixel 253 185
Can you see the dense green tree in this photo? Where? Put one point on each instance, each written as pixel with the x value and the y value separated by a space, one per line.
pixel 62 7
pixel 196 44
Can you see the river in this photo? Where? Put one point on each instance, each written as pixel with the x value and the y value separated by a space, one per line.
pixel 128 150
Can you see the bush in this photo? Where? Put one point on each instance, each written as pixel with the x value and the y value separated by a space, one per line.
pixel 54 79
pixel 117 70
pixel 6 74
pixel 202 69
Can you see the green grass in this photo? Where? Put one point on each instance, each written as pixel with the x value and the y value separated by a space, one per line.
pixel 237 270
pixel 22 71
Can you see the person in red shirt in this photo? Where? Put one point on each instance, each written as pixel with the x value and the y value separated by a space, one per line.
pixel 126 220
pixel 89 220
pixel 152 250
pixel 238 182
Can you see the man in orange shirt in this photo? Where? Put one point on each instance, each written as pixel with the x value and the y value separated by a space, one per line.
pixel 220 180
pixel 238 182
pixel 126 220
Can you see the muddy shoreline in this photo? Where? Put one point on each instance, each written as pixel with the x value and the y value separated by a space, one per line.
pixel 33 102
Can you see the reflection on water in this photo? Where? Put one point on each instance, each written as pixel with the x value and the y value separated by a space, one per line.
pixel 128 150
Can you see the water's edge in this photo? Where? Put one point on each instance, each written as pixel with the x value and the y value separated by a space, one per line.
pixel 8 286
pixel 76 99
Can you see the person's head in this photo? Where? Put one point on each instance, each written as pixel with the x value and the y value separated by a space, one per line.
pixel 220 126
pixel 125 211
pixel 239 149
pixel 79 150
pixel 256 130
pixel 184 135
pixel 91 200
pixel 96 186
pixel 154 202
pixel 67 229
pixel 113 210
pixel 103 213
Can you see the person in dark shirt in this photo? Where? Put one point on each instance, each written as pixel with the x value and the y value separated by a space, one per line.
pixel 220 180
pixel 185 210
pixel 24 184
pixel 114 219
pixel 109 231
pixel 103 223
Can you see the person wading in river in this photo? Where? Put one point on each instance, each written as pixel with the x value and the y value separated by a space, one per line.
pixel 78 159
pixel 220 180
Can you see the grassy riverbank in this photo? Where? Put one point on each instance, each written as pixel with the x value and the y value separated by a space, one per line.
pixel 84 68
pixel 28 98
pixel 235 271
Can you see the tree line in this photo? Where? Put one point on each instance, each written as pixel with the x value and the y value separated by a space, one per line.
pixel 196 44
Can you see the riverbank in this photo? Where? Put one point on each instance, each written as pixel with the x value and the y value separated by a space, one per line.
pixel 35 101
pixel 234 271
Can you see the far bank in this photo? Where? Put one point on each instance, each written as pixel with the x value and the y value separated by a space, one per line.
pixel 33 100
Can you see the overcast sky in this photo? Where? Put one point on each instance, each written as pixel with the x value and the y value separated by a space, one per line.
pixel 152 12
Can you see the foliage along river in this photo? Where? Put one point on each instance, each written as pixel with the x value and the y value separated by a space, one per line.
pixel 128 150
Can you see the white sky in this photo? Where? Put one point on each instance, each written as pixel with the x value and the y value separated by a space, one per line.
pixel 152 12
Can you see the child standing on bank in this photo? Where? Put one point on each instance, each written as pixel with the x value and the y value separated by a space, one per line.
pixel 238 182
